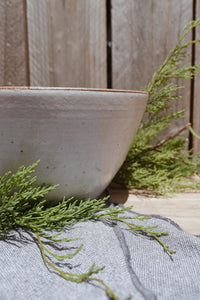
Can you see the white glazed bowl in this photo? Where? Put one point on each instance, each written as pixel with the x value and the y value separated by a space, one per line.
pixel 81 136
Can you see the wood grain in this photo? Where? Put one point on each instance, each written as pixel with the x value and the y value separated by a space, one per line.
pixel 143 32
pixel 183 208
pixel 38 42
pixel 196 108
pixel 63 43
pixel 67 42
pixel 13 54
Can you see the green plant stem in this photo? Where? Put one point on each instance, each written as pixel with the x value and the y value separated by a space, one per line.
pixel 136 229
pixel 165 140
pixel 194 133
pixel 76 277
pixel 168 169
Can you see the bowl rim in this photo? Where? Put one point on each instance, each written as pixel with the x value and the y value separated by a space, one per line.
pixel 39 88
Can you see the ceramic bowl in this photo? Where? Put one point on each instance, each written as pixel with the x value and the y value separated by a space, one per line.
pixel 81 136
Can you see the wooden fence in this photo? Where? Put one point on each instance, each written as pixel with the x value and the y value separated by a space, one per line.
pixel 96 43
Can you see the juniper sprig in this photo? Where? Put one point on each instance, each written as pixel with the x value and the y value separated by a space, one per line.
pixel 151 165
pixel 23 204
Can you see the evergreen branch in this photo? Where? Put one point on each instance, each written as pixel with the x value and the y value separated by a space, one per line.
pixel 41 217
pixel 78 278
pixel 63 257
pixel 141 229
pixel 194 133
pixel 173 59
pixel 168 138
pixel 69 276
pixel 52 238
pixel 168 169
pixel 109 292
pixel 23 204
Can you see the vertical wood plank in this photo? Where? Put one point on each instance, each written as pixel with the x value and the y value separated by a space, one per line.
pixel 13 54
pixel 196 106
pixel 143 32
pixel 38 42
pixel 67 42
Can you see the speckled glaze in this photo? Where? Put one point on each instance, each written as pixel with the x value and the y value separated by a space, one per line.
pixel 81 136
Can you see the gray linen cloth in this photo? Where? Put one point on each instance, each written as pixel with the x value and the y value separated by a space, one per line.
pixel 136 266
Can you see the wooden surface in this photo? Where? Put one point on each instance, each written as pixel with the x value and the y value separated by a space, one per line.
pixel 196 108
pixel 13 43
pixel 64 43
pixel 143 32
pixel 183 208
pixel 39 43
pixel 67 43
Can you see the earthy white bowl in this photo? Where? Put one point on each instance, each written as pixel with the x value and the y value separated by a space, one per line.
pixel 81 136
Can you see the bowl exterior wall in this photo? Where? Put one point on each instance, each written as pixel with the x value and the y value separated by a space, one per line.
pixel 80 137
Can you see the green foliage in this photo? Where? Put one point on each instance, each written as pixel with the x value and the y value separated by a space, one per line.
pixel 150 164
pixel 23 204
